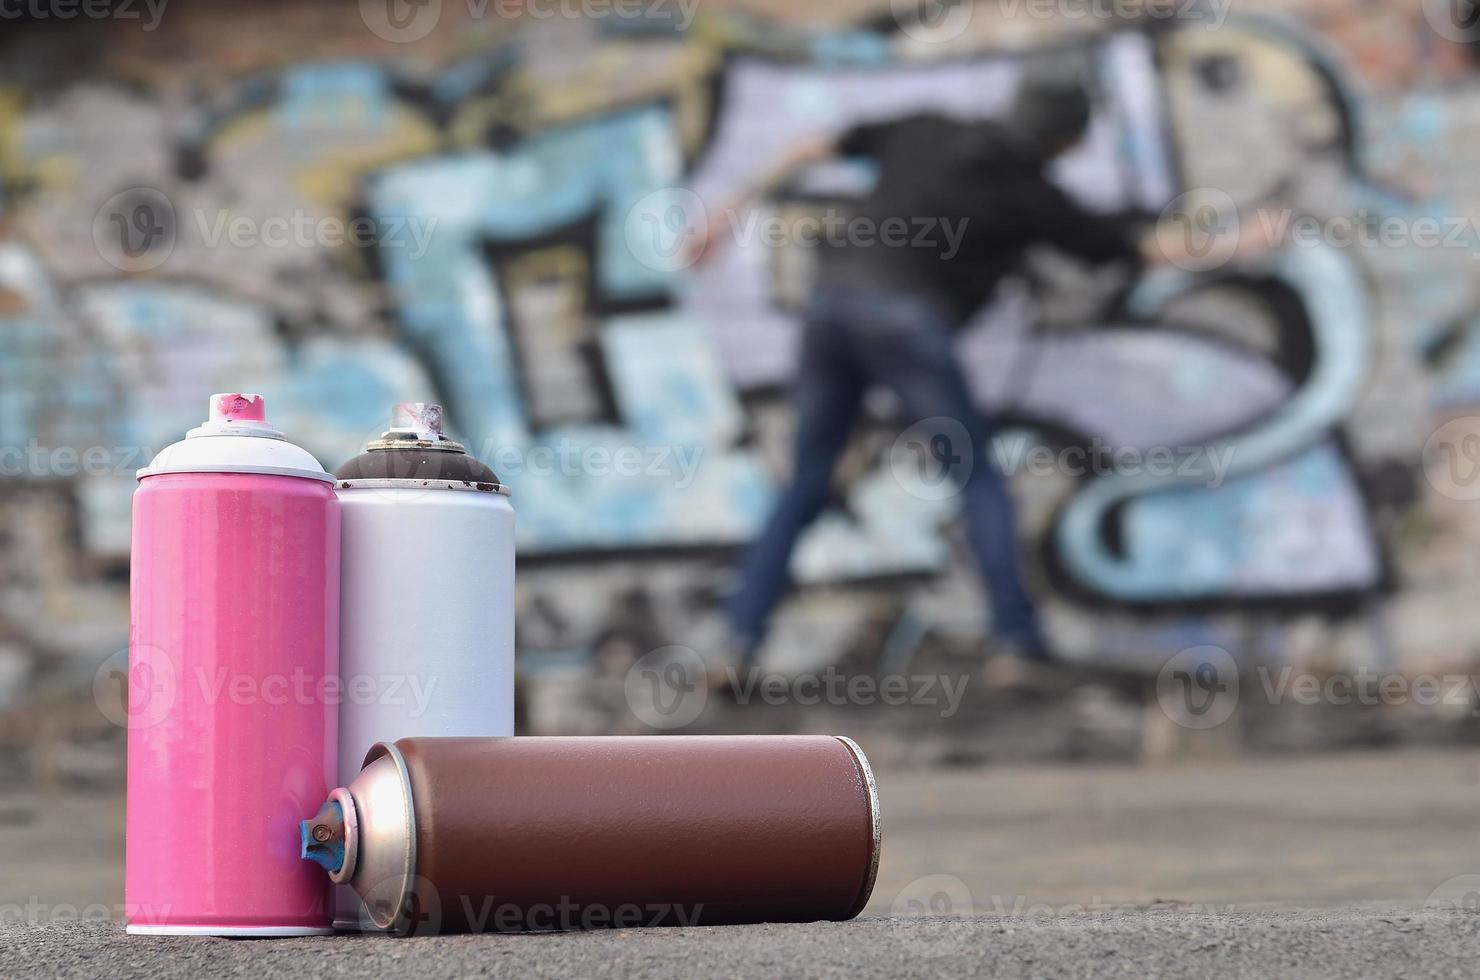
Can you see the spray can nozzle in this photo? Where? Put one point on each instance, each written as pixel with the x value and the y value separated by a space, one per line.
pixel 416 425
pixel 235 406
pixel 236 413
pixel 322 838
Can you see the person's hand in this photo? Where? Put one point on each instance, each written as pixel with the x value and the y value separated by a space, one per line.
pixel 1169 242
pixel 707 240
pixel 702 246
pixel 803 152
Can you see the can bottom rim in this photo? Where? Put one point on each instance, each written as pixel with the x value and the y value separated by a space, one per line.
pixel 355 925
pixel 228 931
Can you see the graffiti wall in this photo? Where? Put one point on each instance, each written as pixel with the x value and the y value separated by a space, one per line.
pixel 497 224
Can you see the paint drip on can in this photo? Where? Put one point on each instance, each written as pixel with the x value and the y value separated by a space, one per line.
pixel 233 645
pixel 427 624
pixel 554 833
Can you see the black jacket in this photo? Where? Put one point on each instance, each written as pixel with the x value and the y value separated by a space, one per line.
pixel 960 204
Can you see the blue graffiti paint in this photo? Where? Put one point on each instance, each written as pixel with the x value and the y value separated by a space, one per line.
pixel 1190 541
pixel 670 389
pixel 327 96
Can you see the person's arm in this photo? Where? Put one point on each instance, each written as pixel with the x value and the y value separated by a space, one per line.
pixel 805 152
pixel 1108 238
pixel 1179 239
pixel 1097 238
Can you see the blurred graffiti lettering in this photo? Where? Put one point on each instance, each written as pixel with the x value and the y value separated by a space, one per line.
pixel 630 399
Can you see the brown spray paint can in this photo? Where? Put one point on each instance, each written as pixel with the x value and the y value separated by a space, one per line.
pixel 535 834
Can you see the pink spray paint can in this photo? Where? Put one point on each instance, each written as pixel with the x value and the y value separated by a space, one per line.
pixel 233 666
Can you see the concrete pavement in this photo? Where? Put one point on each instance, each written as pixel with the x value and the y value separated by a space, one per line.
pixel 1366 942
pixel 1327 865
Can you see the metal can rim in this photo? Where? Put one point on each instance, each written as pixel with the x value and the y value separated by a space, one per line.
pixel 245 469
pixel 389 484
pixel 874 825
pixel 400 918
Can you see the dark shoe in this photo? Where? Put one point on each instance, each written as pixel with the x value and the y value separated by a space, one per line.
pixel 1024 669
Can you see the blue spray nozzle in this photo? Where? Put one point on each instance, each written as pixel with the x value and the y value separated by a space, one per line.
pixel 321 839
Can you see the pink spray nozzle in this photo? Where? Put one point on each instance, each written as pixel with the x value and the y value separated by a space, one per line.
pixel 237 407
pixel 235 413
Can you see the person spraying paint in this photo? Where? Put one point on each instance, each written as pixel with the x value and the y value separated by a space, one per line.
pixel 882 315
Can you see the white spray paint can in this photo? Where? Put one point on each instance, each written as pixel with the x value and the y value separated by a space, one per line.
pixel 427 596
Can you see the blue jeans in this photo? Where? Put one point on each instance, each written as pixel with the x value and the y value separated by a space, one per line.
pixel 856 337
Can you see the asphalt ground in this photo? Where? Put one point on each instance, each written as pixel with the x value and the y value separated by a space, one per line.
pixel 1368 942
pixel 1360 864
